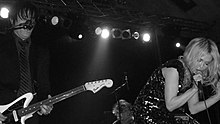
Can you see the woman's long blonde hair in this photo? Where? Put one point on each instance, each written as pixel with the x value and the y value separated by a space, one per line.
pixel 195 49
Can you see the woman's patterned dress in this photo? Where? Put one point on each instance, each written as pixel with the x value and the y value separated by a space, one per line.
pixel 150 108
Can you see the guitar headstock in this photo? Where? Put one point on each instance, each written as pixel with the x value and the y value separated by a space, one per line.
pixel 95 86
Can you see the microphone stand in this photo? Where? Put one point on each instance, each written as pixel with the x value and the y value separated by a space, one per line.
pixel 117 100
pixel 119 87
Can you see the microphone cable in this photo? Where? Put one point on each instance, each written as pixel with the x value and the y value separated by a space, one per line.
pixel 200 88
pixel 203 97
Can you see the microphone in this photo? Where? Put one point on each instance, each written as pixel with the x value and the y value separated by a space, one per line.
pixel 27 25
pixel 200 85
pixel 198 79
pixel 126 81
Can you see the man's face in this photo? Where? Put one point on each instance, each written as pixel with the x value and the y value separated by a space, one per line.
pixel 23 33
pixel 125 115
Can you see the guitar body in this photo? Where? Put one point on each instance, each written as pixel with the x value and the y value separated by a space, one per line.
pixel 9 110
pixel 19 110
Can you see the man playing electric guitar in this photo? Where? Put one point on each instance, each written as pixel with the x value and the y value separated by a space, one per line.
pixel 22 61
pixel 16 113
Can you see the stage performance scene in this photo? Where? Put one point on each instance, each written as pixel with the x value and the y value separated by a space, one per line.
pixel 109 62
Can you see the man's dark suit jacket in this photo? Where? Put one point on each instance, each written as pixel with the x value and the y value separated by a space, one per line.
pixel 9 69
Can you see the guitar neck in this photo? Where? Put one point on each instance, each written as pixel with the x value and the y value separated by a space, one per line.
pixel 51 101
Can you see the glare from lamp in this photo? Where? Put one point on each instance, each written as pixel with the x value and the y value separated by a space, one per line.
pixel 178 45
pixel 146 37
pixel 98 31
pixel 55 20
pixel 105 33
pixel 80 36
pixel 4 12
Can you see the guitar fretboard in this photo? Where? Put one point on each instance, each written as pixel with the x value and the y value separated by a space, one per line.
pixel 50 101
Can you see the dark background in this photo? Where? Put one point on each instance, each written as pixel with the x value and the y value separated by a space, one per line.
pixel 75 62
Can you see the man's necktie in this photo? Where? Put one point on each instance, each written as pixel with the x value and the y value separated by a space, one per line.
pixel 25 78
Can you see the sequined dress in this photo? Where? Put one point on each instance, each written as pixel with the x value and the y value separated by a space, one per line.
pixel 149 107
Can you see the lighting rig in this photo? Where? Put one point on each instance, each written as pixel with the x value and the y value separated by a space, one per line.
pixel 117 12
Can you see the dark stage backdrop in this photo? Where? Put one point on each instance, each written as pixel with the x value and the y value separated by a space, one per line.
pixel 74 63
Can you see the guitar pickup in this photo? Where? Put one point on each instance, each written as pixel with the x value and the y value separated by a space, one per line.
pixel 15 116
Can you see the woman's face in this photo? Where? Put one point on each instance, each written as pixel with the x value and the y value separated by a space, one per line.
pixel 203 62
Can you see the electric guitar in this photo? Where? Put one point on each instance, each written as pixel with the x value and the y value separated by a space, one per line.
pixel 17 113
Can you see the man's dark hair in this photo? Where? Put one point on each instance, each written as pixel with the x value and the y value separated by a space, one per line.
pixel 21 9
pixel 124 106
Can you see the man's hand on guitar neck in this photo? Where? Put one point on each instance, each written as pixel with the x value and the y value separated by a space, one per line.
pixel 2 118
pixel 45 109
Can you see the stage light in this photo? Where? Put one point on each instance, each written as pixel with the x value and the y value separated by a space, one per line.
pixel 4 12
pixel 105 33
pixel 54 20
pixel 80 36
pixel 61 21
pixel 146 37
pixel 98 31
pixel 136 35
pixel 178 44
pixel 116 33
pixel 126 34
